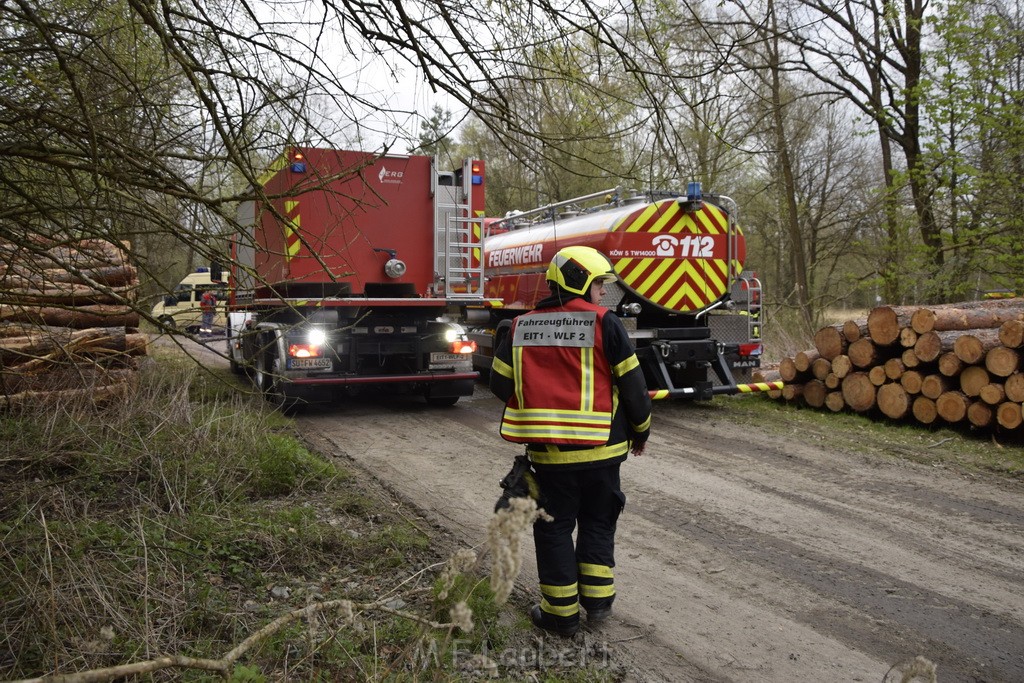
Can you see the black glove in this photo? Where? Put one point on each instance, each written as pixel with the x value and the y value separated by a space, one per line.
pixel 518 483
pixel 639 440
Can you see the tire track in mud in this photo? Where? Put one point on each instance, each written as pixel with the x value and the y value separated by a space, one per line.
pixel 745 555
pixel 938 597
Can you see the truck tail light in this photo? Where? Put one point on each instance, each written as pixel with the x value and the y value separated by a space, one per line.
pixel 750 349
pixel 304 351
pixel 461 346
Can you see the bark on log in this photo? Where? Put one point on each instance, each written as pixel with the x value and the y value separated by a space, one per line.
pixel 859 392
pixel 1009 415
pixel 971 347
pixel 791 392
pixel 68 295
pixel 980 414
pixel 893 401
pixel 841 366
pixel 931 345
pixel 945 319
pixel 814 393
pixel 95 341
pixel 1002 361
pixel 908 338
pixel 855 329
pixel 863 353
pixel 972 379
pixel 1014 387
pixel 1011 334
pixel 81 317
pixel 803 360
pixel 993 394
pixel 829 342
pixel 950 365
pixel 911 381
pixel 924 410
pixel 97 395
pixel 885 323
pixel 952 406
pixel 820 368
pixel 877 375
pixel 787 370
pixel 933 386
pixel 834 401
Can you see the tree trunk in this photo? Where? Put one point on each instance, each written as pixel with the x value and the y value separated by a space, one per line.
pixel 972 379
pixel 931 345
pixel 1008 415
pixel 804 359
pixel 1014 387
pixel 841 366
pixel 909 358
pixel 859 392
pixel 855 329
pixel 814 393
pixel 893 401
pixel 933 386
pixel 829 342
pixel 911 381
pixel 820 368
pixel 952 406
pixel 950 365
pixel 1001 361
pixel 834 401
pixel 885 323
pixel 945 319
pixel 980 414
pixel 924 410
pixel 863 353
pixel 876 375
pixel 1011 334
pixel 972 347
pixel 992 394
pixel 893 368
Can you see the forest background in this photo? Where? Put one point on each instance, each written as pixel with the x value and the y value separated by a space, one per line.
pixel 874 148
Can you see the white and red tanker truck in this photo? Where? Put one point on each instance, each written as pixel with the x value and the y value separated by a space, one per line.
pixel 354 270
pixel 692 312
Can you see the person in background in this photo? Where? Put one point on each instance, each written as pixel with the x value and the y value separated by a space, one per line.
pixel 208 306
pixel 575 394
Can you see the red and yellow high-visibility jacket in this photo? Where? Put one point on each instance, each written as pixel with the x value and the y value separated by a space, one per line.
pixel 573 387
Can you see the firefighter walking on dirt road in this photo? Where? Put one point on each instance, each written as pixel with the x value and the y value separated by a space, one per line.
pixel 574 392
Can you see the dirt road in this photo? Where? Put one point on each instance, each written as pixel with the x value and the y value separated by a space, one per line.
pixel 749 551
pixel 746 555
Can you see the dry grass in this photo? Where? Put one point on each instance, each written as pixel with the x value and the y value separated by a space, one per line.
pixel 185 520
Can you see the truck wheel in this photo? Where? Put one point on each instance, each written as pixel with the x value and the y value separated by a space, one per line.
pixel 261 378
pixel 167 321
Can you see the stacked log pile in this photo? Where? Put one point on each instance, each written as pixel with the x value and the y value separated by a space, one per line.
pixel 67 327
pixel 955 363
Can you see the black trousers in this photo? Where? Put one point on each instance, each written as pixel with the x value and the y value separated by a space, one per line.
pixel 573 574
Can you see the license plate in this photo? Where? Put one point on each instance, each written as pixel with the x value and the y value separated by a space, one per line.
pixel 309 363
pixel 438 358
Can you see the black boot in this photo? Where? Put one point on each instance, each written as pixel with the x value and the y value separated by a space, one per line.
pixel 564 628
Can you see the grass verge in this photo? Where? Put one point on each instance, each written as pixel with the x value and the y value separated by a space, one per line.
pixel 185 520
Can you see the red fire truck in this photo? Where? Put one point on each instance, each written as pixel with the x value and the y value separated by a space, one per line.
pixel 692 312
pixel 354 270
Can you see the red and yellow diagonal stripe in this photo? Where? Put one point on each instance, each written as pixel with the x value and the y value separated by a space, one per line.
pixel 292 243
pixel 678 284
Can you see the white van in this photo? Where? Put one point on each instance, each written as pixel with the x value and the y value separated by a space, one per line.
pixel 181 309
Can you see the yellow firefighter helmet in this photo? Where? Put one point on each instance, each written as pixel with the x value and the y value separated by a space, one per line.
pixel 575 268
